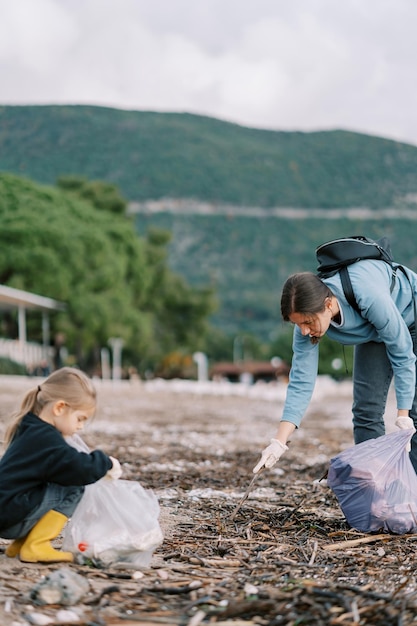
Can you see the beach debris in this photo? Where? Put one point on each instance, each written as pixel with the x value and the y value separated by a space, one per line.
pixel 63 586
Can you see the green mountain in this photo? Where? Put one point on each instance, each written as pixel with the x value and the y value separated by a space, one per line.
pixel 236 194
pixel 157 155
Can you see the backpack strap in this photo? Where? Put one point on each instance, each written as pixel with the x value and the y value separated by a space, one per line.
pixel 347 288
pixel 404 271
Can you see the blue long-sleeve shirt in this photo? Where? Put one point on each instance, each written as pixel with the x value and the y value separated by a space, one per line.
pixel 385 317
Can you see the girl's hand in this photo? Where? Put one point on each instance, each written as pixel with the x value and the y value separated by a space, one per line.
pixel 116 471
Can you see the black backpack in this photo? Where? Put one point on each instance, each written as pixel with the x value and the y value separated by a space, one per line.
pixel 335 256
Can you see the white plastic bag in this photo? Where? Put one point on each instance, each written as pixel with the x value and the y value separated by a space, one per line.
pixel 376 485
pixel 115 521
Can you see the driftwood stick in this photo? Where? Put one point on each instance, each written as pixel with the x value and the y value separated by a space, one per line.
pixel 247 492
pixel 197 618
pixel 313 555
pixel 294 510
pixel 351 543
pixel 176 590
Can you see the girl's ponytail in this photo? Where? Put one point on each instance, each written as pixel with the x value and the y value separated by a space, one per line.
pixel 29 404
pixel 68 384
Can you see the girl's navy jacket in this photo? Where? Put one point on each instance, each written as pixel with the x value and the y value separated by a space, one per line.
pixel 37 455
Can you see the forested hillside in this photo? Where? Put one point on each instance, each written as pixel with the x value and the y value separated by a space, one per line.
pixel 247 259
pixel 156 155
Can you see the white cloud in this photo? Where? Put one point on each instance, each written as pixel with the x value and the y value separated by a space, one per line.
pixel 32 34
pixel 305 64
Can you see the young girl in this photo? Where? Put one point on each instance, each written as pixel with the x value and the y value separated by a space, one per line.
pixel 42 477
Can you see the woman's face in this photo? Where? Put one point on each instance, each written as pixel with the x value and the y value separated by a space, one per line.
pixel 312 325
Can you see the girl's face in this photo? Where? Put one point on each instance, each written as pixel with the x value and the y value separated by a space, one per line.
pixel 69 421
pixel 312 325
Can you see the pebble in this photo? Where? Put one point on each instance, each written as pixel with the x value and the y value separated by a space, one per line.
pixel 63 586
pixel 64 616
pixel 250 590
pixel 39 619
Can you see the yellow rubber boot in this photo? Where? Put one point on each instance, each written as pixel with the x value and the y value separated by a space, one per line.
pixel 13 548
pixel 37 547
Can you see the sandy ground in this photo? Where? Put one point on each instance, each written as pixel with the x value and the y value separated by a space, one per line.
pixel 194 445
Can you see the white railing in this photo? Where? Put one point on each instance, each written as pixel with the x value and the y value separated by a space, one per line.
pixel 26 353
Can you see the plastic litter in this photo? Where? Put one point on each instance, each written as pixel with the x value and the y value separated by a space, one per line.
pixel 115 521
pixel 376 485
pixel 62 586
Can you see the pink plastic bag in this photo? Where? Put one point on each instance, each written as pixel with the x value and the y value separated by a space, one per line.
pixel 376 484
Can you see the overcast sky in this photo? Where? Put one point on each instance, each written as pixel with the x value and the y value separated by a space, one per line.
pixel 277 64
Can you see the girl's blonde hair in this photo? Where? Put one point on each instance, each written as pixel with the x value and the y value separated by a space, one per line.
pixel 68 384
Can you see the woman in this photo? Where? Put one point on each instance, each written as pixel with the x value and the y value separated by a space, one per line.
pixel 384 338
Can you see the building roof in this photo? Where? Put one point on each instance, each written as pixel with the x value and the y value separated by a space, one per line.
pixel 11 298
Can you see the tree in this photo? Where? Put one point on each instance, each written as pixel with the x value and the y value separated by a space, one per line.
pixel 114 282
pixel 102 195
pixel 180 312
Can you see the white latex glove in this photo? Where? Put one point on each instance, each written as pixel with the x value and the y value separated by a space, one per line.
pixel 271 455
pixel 116 471
pixel 404 423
